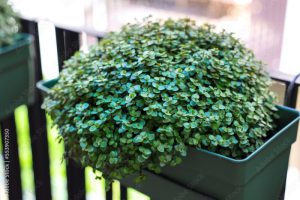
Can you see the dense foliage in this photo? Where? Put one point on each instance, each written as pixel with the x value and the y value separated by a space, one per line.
pixel 8 23
pixel 143 95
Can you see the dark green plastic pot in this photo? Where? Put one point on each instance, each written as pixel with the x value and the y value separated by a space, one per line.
pixel 16 74
pixel 260 176
pixel 45 86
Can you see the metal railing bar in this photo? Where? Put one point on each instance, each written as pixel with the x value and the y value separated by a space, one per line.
pixel 123 192
pixel 109 193
pixel 292 92
pixel 11 158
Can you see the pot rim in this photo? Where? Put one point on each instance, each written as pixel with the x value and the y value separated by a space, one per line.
pixel 21 39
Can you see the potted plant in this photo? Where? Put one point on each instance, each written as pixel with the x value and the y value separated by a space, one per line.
pixel 178 99
pixel 16 63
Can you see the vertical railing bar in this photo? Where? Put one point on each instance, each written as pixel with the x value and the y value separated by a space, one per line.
pixel 292 92
pixel 293 99
pixel 37 125
pixel 123 191
pixel 109 193
pixel 11 158
pixel 61 52
pixel 67 45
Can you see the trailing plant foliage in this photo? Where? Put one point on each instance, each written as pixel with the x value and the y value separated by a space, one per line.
pixel 143 95
pixel 9 23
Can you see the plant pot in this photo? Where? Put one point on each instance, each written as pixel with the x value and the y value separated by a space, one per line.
pixel 45 86
pixel 16 74
pixel 260 176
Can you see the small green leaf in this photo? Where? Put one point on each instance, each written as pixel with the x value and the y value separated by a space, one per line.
pixel 161 148
pixel 93 128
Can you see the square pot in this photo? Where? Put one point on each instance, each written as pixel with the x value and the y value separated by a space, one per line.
pixel 16 74
pixel 259 176
pixel 45 86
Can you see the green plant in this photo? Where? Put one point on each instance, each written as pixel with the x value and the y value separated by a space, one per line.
pixel 9 23
pixel 143 95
